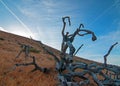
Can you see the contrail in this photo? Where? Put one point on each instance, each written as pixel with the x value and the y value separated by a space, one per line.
pixel 25 26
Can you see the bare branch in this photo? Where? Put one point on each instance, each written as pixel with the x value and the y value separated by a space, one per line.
pixel 78 50
pixel 89 32
pixel 105 56
pixel 44 70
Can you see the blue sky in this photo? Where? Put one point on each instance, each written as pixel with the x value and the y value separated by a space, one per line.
pixel 41 19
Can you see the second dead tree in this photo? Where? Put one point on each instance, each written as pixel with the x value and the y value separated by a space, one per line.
pixel 25 49
pixel 44 70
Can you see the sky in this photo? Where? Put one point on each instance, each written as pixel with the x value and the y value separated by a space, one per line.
pixel 42 20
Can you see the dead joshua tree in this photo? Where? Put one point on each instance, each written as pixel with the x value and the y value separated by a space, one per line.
pixel 92 69
pixel 62 63
pixel 67 79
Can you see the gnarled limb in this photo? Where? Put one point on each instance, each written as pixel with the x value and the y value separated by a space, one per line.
pixel 81 25
pixel 78 50
pixel 69 79
pixel 96 79
pixel 105 56
pixel 63 30
pixel 88 32
pixel 44 70
pixel 66 17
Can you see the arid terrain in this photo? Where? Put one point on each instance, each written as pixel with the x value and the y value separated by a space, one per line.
pixel 22 75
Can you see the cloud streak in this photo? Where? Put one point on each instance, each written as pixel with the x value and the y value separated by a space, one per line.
pixel 25 26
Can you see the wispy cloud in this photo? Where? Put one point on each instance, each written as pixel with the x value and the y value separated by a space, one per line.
pixel 49 5
pixel 111 36
pixel 18 19
pixel 117 3
pixel 27 12
pixel 29 7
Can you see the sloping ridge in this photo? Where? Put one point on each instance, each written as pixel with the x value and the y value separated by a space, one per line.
pixel 22 76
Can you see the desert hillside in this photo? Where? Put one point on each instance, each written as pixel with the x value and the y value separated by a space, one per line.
pixel 22 75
